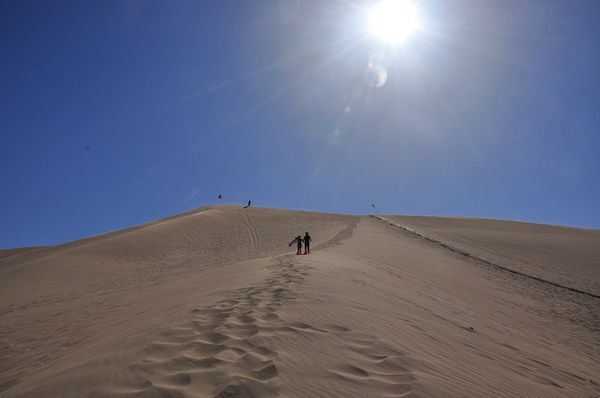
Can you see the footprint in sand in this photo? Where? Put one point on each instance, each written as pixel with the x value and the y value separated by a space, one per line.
pixel 217 353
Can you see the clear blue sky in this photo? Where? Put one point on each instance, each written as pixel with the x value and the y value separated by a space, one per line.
pixel 115 113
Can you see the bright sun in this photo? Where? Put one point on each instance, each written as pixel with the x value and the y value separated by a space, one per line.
pixel 392 21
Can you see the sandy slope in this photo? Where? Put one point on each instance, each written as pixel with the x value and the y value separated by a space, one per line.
pixel 212 303
pixel 559 254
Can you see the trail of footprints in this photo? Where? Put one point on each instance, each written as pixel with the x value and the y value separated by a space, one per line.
pixel 225 350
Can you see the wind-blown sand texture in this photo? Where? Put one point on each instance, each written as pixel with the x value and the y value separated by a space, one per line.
pixel 213 303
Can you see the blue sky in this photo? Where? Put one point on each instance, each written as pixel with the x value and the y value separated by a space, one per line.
pixel 117 113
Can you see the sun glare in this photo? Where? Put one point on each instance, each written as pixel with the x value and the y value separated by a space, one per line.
pixel 392 21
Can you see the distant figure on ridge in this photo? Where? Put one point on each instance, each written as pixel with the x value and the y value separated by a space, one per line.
pixel 298 241
pixel 248 205
pixel 307 240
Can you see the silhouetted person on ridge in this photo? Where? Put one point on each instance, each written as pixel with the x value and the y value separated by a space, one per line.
pixel 297 240
pixel 307 240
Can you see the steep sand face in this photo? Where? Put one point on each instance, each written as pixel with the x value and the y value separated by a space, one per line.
pixel 159 250
pixel 215 304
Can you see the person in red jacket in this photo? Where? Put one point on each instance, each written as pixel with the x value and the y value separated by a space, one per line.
pixel 298 241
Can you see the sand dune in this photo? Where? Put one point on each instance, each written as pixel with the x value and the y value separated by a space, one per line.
pixel 559 254
pixel 213 303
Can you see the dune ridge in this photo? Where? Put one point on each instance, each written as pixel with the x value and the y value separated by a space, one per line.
pixel 467 254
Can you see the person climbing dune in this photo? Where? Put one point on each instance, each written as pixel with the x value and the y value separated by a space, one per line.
pixel 307 240
pixel 298 241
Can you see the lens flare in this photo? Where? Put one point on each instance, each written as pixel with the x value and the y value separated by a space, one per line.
pixel 375 75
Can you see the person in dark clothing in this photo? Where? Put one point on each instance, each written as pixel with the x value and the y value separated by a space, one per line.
pixel 298 241
pixel 307 240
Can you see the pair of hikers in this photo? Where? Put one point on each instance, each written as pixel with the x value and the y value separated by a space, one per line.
pixel 298 241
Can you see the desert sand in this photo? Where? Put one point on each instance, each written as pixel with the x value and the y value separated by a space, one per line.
pixel 213 303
